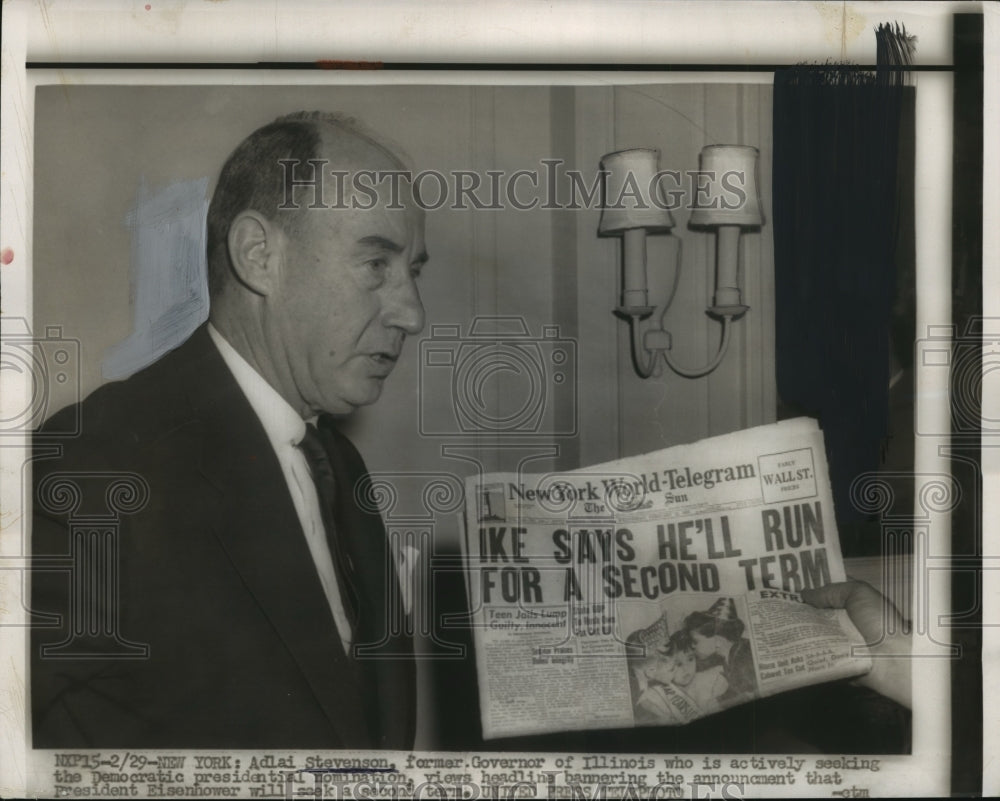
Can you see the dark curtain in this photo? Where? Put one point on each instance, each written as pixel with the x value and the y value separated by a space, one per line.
pixel 836 142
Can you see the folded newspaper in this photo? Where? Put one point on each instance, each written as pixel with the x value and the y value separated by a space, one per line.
pixel 657 589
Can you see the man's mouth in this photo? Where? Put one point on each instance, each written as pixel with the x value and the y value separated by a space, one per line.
pixel 384 361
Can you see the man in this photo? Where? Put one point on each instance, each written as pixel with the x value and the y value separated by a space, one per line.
pixel 257 603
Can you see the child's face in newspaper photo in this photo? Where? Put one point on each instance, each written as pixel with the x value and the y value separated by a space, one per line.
pixel 685 667
pixel 661 670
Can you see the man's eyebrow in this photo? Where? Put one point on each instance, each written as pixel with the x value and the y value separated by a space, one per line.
pixel 393 247
pixel 381 242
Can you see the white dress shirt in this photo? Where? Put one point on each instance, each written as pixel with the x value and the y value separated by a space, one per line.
pixel 285 429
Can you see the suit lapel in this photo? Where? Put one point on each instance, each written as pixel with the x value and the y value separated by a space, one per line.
pixel 258 527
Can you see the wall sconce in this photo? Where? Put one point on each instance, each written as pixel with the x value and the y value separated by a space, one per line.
pixel 726 200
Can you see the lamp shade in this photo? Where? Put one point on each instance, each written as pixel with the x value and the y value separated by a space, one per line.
pixel 633 197
pixel 725 193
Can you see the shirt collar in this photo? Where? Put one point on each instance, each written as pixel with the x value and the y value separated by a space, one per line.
pixel 283 425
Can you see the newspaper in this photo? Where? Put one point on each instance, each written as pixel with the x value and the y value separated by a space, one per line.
pixel 657 589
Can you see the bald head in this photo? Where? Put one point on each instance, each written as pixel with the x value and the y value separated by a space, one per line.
pixel 256 175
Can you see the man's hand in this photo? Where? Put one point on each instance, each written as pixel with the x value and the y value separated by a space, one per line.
pixel 884 631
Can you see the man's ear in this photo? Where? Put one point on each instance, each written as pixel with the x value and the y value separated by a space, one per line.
pixel 255 250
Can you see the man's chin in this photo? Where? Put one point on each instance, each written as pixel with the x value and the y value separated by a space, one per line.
pixel 345 404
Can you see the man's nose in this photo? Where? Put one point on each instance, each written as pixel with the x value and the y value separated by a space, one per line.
pixel 403 307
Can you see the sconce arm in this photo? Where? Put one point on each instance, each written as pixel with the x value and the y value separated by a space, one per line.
pixel 643 357
pixel 657 342
pixel 719 356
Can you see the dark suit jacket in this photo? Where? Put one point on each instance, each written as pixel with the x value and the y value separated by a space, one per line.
pixel 214 582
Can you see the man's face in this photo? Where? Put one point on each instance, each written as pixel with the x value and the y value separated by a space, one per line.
pixel 348 296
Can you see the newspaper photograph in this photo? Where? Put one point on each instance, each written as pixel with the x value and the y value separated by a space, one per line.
pixel 667 582
pixel 570 400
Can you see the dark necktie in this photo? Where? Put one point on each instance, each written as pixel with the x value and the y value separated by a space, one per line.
pixel 314 447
